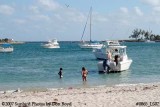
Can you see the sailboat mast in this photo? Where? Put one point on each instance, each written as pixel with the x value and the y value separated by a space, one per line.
pixel 89 15
pixel 90 24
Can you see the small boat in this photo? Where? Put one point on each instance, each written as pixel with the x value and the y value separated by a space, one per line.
pixel 149 41
pixel 91 44
pixel 123 61
pixel 101 53
pixel 51 44
pixel 6 47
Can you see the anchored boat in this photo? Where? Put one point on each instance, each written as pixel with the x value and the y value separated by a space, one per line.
pixel 121 64
pixel 102 52
pixel 6 47
pixel 52 44
pixel 91 44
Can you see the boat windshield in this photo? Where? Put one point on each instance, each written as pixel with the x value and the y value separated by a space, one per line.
pixel 122 51
pixel 118 51
pixel 113 43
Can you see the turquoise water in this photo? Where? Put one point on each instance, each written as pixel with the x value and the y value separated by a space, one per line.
pixel 32 66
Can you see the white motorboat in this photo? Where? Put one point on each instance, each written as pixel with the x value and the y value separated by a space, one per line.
pixel 91 44
pixel 6 47
pixel 101 53
pixel 149 41
pixel 123 61
pixel 51 44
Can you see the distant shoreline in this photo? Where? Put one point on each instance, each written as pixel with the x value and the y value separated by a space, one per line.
pixel 135 40
pixel 15 42
pixel 23 42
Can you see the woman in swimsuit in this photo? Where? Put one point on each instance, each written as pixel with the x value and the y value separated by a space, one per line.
pixel 84 74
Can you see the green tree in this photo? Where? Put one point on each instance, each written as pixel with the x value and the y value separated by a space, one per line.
pixel 6 40
pixel 157 37
pixel 136 34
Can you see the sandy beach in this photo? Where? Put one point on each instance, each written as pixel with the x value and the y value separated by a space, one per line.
pixel 135 95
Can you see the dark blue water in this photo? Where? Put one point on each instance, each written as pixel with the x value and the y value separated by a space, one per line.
pixel 32 66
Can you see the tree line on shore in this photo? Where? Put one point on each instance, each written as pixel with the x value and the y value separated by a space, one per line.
pixel 7 40
pixel 140 34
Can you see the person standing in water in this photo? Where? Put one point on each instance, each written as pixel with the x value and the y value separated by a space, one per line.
pixel 116 57
pixel 106 62
pixel 60 73
pixel 84 74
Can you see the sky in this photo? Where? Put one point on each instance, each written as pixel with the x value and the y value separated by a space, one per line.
pixel 42 20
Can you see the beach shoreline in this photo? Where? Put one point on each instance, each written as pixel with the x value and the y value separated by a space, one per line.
pixel 123 95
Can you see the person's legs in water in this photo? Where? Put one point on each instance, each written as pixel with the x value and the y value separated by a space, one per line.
pixel 104 64
pixel 108 68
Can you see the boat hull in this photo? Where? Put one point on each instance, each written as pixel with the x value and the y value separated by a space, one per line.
pixel 122 66
pixel 51 47
pixel 51 44
pixel 91 46
pixel 6 50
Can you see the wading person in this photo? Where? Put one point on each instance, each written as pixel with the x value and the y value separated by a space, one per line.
pixel 60 73
pixel 106 62
pixel 84 74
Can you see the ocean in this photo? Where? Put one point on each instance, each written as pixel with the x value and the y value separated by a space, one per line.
pixel 32 66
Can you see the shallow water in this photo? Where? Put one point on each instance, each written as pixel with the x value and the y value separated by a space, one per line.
pixel 31 65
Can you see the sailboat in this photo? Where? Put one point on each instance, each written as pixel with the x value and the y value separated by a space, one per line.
pixel 91 44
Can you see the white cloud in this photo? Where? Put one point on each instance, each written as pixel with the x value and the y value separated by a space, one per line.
pixel 40 17
pixel 124 10
pixel 61 13
pixel 138 11
pixel 34 9
pixel 49 4
pixel 125 22
pixel 73 15
pixel 20 21
pixel 99 18
pixel 58 16
pixel 7 10
pixel 50 14
pixel 155 5
pixel 152 2
pixel 157 8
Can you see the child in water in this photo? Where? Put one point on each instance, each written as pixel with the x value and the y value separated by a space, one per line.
pixel 84 74
pixel 60 73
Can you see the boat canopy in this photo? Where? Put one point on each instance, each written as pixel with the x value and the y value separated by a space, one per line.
pixel 112 43
pixel 6 45
pixel 120 49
